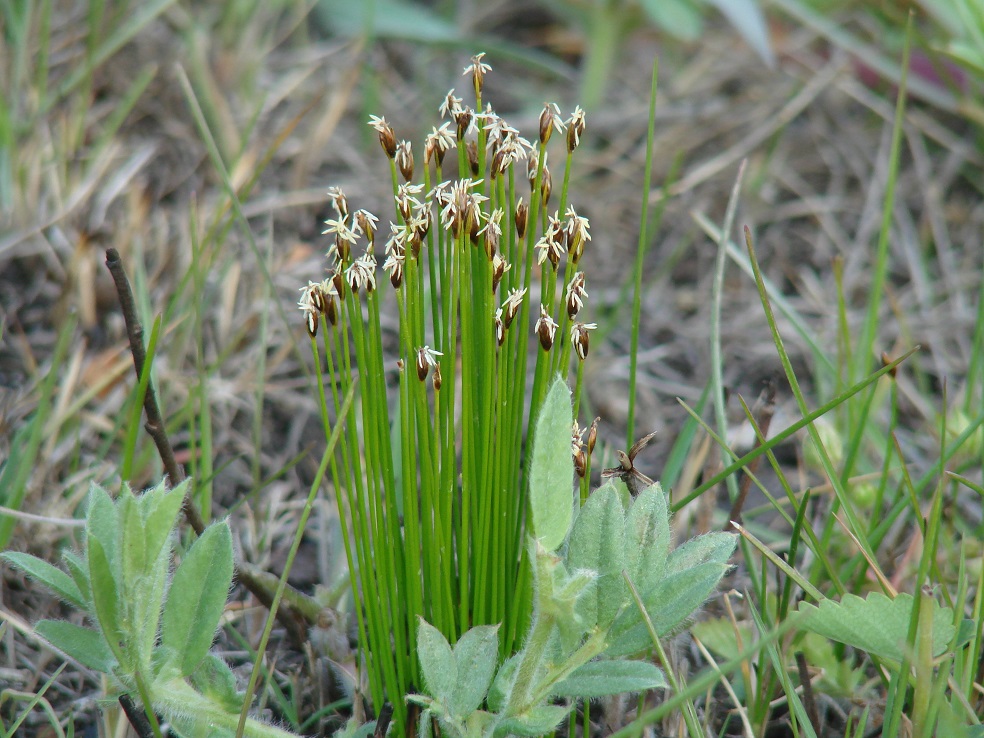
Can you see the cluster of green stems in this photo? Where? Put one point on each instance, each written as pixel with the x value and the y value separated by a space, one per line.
pixel 429 474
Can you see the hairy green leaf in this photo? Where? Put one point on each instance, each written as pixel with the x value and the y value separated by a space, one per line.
pixel 197 596
pixel 712 547
pixel 102 523
pixel 647 542
pixel 79 570
pixel 161 509
pixel 85 645
pixel 604 678
pixel 50 576
pixel 214 679
pixel 536 722
pixel 105 597
pixel 552 469
pixel 670 603
pixel 502 684
pixel 437 662
pixel 597 543
pixel 876 624
pixel 475 655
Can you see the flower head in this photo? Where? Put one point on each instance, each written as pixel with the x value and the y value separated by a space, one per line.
pixel 545 329
pixel 575 127
pixel 366 222
pixel 362 273
pixel 550 121
pixel 426 358
pixel 577 233
pixel 387 137
pixel 338 202
pixel 477 69
pixel 575 294
pixel 404 160
pixel 579 338
pixel 438 142
pixel 512 304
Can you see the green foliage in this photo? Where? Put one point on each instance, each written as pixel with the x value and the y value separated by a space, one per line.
pixel 877 624
pixel 585 612
pixel 150 630
pixel 552 469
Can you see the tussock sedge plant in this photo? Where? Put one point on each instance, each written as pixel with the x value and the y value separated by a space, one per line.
pixel 435 487
pixel 431 479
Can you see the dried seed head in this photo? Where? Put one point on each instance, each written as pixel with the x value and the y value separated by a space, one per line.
pixel 338 202
pixel 549 120
pixel 331 310
pixel 551 245
pixel 593 435
pixel 387 137
pixel 511 306
pixel 418 225
pixel 415 242
pixel 575 295
pixel 577 433
pixel 522 215
pixel 463 120
pixel 343 249
pixel 394 267
pixel 500 163
pixel 404 160
pixel 499 267
pixel 312 323
pixel 367 223
pixel 451 105
pixel 317 297
pixel 532 164
pixel 577 232
pixel 344 234
pixel 438 142
pixel 575 127
pixel 338 282
pixel 310 304
pixel 474 226
pixel 406 200
pixel 426 358
pixel 493 233
pixel 473 158
pixel 362 273
pixel 478 69
pixel 580 340
pixel 546 329
pixel 547 186
pixel 577 450
pixel 437 377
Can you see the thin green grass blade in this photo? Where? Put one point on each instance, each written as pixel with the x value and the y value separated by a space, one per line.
pixel 717 291
pixel 641 248
pixel 137 405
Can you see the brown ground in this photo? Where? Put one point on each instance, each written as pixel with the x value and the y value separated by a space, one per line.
pixel 816 141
